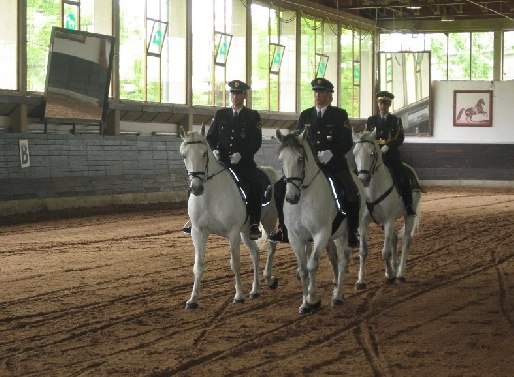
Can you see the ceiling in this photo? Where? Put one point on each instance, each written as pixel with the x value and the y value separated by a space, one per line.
pixel 387 10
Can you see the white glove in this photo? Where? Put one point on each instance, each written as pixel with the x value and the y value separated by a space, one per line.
pixel 235 158
pixel 216 154
pixel 325 156
pixel 384 149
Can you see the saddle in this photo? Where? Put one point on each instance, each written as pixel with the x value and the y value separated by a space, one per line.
pixel 337 194
pixel 414 182
pixel 264 187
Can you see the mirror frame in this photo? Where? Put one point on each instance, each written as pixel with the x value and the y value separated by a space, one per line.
pixel 413 106
pixel 71 66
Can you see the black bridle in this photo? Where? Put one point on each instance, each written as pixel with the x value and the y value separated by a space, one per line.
pixel 372 170
pixel 300 185
pixel 202 175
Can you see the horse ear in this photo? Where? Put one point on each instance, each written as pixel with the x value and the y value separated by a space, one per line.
pixel 303 135
pixel 182 132
pixel 279 135
pixel 203 130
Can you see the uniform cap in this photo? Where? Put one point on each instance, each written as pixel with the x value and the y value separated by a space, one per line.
pixel 238 86
pixel 384 96
pixel 320 83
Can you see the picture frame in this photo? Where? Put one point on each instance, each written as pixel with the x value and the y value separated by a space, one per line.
pixel 322 65
pixel 472 108
pixel 223 41
pixel 157 31
pixel 277 54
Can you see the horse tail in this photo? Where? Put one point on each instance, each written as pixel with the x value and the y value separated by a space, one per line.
pixel 460 113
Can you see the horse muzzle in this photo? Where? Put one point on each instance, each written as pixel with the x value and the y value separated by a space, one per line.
pixel 196 187
pixel 293 200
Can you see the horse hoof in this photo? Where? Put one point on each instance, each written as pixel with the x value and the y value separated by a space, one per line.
pixel 401 279
pixel 338 302
pixel 390 280
pixel 360 286
pixel 309 308
pixel 274 285
pixel 254 295
pixel 239 301
pixel 191 305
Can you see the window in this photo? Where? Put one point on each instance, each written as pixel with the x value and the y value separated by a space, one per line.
pixel 508 55
pixel 356 71
pixel 273 38
pixel 211 18
pixel 318 38
pixel 455 56
pixel 8 37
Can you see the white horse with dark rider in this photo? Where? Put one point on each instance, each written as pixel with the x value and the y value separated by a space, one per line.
pixel 384 205
pixel 311 214
pixel 216 206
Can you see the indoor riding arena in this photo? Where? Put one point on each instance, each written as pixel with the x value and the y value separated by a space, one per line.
pixel 96 100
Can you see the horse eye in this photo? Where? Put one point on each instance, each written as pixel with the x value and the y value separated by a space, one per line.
pixel 205 154
pixel 300 159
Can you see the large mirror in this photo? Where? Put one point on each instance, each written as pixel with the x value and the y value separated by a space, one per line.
pixel 78 76
pixel 407 76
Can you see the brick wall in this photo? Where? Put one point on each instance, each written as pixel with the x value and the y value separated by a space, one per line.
pixel 78 170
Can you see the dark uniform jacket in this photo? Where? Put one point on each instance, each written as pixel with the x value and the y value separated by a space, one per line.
pixel 230 135
pixel 391 134
pixel 332 133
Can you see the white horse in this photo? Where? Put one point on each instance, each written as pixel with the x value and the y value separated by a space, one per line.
pixel 309 213
pixel 216 207
pixel 384 205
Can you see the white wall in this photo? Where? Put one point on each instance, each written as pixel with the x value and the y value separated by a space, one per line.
pixel 443 131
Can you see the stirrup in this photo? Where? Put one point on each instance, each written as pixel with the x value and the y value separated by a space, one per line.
pixel 187 227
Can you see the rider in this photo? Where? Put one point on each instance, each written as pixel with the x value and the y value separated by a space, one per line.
pixel 390 136
pixel 328 130
pixel 235 136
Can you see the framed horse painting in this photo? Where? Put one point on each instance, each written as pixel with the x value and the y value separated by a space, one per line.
pixel 472 108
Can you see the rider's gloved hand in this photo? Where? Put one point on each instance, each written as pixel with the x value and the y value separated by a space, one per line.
pixel 235 158
pixel 216 154
pixel 384 149
pixel 325 156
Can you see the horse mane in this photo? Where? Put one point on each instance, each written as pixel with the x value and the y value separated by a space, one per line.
pixel 289 141
pixel 193 136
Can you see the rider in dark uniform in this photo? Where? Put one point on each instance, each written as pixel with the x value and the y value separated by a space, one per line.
pixel 390 136
pixel 235 136
pixel 329 132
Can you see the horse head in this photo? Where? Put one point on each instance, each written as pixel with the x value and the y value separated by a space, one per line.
pixel 293 154
pixel 367 155
pixel 196 153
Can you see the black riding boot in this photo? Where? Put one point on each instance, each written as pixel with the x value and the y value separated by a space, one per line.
pixel 407 194
pixel 280 235
pixel 352 213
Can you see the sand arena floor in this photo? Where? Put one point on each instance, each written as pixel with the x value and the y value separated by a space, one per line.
pixel 103 295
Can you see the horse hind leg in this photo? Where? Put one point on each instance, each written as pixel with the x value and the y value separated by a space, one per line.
pixel 387 252
pixel 269 278
pixel 254 254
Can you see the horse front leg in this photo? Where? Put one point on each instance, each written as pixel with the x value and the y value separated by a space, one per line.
pixel 199 242
pixel 300 250
pixel 387 251
pixel 313 299
pixel 254 254
pixel 342 253
pixel 363 254
pixel 235 264
pixel 406 244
